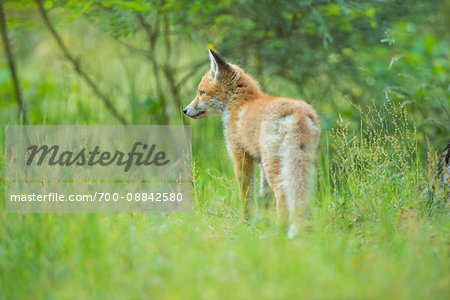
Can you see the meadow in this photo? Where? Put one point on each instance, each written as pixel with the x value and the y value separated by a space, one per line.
pixel 378 225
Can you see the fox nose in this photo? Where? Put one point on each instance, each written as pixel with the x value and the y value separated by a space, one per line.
pixel 185 111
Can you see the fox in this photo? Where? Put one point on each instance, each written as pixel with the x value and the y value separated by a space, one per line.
pixel 280 134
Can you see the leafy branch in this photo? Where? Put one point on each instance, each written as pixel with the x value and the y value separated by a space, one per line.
pixel 76 65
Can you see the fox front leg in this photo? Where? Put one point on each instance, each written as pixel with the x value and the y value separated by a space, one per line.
pixel 243 171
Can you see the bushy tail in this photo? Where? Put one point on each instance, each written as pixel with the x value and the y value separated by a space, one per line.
pixel 297 156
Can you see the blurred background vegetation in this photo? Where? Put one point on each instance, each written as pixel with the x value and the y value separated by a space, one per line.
pixel 141 60
pixel 376 71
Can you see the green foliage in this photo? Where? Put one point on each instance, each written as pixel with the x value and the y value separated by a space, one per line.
pixel 328 52
pixel 376 71
pixel 350 49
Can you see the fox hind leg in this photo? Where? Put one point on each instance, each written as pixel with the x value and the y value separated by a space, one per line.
pixel 264 193
pixel 296 173
pixel 272 171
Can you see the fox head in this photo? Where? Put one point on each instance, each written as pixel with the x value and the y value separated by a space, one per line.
pixel 217 88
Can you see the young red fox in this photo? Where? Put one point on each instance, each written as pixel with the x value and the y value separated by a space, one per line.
pixel 279 133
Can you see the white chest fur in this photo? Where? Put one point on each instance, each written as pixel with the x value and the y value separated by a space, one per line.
pixel 225 120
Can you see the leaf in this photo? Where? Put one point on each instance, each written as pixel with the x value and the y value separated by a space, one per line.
pixel 48 5
pixel 369 12
pixel 333 9
pixel 288 16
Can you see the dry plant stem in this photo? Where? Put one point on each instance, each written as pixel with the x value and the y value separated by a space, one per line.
pixel 76 65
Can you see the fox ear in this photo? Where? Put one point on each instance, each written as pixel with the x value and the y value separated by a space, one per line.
pixel 218 63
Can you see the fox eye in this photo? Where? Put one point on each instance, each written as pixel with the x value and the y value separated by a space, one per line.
pixel 201 93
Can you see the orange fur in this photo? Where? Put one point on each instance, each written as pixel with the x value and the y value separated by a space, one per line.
pixel 279 133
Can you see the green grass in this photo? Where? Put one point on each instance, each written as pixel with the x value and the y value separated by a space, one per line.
pixel 137 256
pixel 369 236
pixel 372 233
